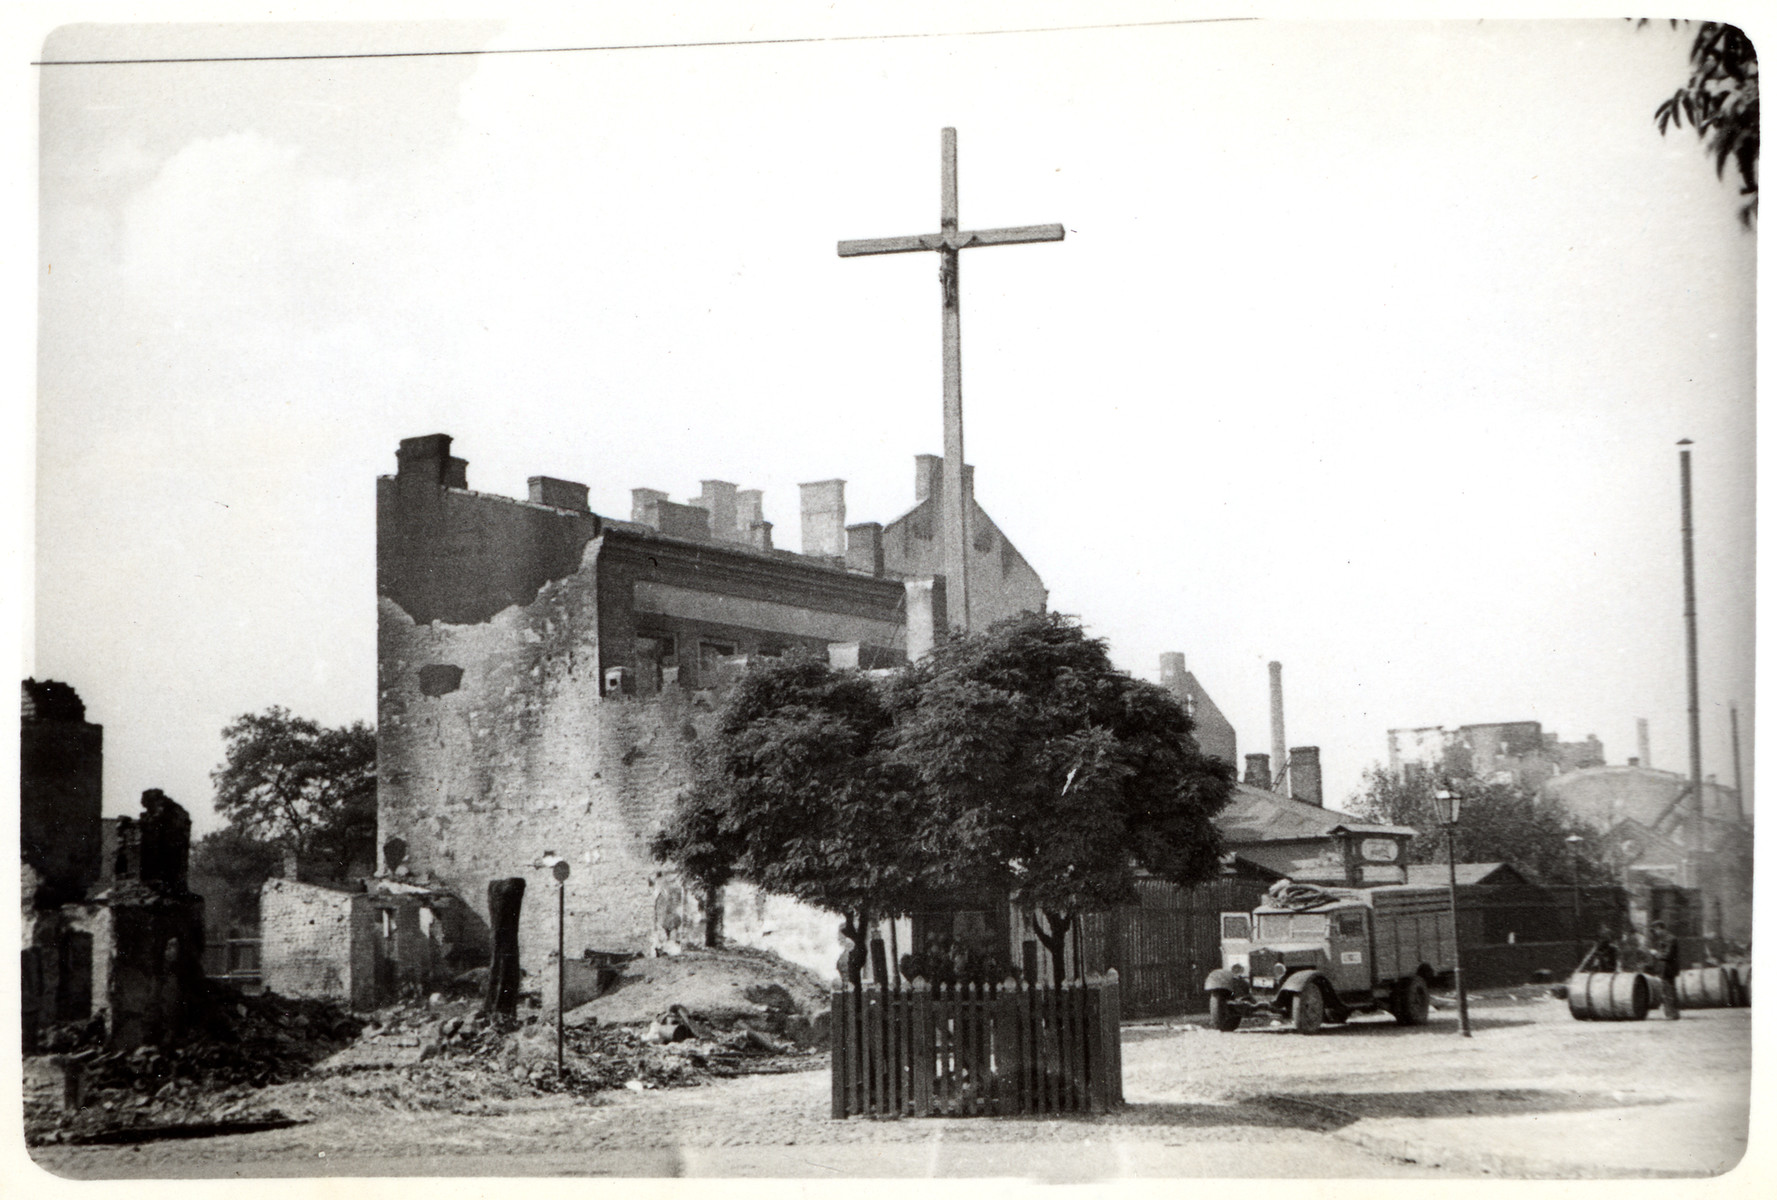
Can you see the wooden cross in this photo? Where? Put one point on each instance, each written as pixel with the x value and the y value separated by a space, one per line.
pixel 948 242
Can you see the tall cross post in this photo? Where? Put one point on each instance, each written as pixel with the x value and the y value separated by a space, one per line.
pixel 949 241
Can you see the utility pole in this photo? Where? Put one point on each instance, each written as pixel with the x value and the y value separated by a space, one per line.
pixel 1690 656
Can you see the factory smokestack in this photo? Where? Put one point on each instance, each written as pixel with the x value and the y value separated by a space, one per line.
pixel 1280 757
pixel 1641 743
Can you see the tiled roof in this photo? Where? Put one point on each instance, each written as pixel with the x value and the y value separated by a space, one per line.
pixel 1256 815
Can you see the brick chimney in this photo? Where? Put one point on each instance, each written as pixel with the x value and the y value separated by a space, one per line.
pixel 644 504
pixel 651 508
pixel 1258 771
pixel 928 475
pixel 1305 775
pixel 721 500
pixel 863 547
pixel 558 493
pixel 1172 674
pixel 749 519
pixel 823 519
pixel 427 461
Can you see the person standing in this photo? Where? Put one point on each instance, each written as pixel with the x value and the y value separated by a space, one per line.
pixel 1665 948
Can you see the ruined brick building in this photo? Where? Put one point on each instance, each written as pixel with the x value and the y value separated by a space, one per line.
pixel 540 666
pixel 111 929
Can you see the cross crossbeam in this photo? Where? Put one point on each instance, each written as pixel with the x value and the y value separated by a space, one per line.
pixel 948 242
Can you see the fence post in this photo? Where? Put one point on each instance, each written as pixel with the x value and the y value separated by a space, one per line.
pixel 919 1004
pixel 1113 997
pixel 836 1025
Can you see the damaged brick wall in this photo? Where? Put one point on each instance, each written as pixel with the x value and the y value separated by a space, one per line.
pixel 526 757
pixel 513 719
pixel 316 942
pixel 61 767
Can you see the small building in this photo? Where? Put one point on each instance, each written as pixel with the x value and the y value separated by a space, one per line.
pixel 1303 840
pixel 360 946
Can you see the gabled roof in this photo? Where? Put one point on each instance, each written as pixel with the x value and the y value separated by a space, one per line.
pixel 1438 874
pixel 1256 815
pixel 1355 827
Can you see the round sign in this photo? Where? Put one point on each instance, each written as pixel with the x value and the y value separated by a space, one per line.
pixel 560 870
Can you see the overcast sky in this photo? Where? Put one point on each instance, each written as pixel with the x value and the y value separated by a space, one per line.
pixel 1367 350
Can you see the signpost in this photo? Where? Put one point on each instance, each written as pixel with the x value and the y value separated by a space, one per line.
pixel 560 871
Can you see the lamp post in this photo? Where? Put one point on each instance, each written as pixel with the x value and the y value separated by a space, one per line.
pixel 1573 858
pixel 1449 805
pixel 558 867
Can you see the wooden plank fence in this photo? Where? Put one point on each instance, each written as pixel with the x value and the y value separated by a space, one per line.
pixel 977 1049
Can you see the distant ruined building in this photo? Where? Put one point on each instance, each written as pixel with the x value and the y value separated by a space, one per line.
pixel 111 930
pixel 1517 752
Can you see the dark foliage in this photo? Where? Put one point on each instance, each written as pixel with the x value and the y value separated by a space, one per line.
pixel 1720 101
pixel 289 781
pixel 1017 760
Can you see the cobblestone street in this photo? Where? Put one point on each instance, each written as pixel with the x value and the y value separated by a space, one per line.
pixel 1534 1094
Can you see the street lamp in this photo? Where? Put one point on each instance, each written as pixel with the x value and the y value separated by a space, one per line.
pixel 1449 806
pixel 558 867
pixel 1573 858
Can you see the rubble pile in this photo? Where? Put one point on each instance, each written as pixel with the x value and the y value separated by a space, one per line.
pixel 259 1061
pixel 245 1044
pixel 732 990
pixel 451 1057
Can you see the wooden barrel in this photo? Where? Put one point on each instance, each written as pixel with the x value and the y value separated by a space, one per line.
pixel 1612 996
pixel 1703 987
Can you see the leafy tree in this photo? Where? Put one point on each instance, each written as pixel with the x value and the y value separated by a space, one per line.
pixel 1500 822
pixel 1720 101
pixel 242 863
pixel 289 781
pixel 797 792
pixel 1059 775
pixel 1017 760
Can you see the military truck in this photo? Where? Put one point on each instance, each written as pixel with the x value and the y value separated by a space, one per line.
pixel 1315 955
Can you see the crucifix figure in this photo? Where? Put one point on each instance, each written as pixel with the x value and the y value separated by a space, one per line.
pixel 948 242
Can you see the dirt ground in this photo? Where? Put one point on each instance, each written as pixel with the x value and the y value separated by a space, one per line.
pixel 1534 1094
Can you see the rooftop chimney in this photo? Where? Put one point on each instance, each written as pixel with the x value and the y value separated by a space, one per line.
pixel 928 470
pixel 863 548
pixel 652 508
pixel 1258 771
pixel 722 501
pixel 823 519
pixel 1647 757
pixel 1305 775
pixel 749 519
pixel 1172 673
pixel 427 460
pixel 1278 752
pixel 558 493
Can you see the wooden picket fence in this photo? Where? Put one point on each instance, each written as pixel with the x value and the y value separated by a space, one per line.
pixel 977 1050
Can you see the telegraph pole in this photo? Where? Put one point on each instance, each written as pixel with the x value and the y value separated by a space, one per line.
pixel 1690 656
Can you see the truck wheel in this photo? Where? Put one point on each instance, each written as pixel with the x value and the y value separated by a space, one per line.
pixel 1309 1009
pixel 1222 1013
pixel 1412 1002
